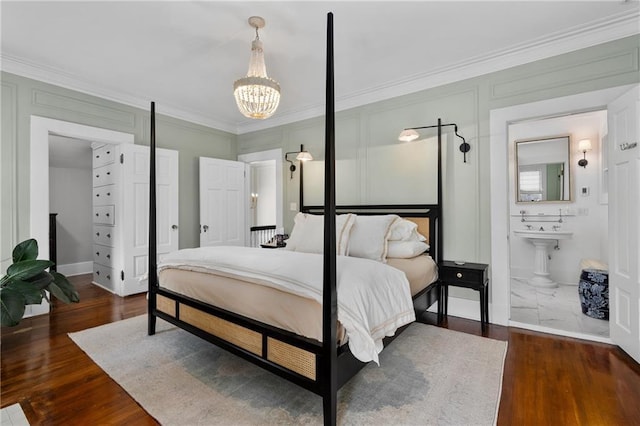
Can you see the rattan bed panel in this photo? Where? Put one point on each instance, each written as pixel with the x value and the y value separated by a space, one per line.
pixel 166 305
pixel 292 358
pixel 233 333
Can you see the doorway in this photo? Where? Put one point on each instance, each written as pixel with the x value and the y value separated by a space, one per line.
pixel 264 213
pixel 40 130
pixel 546 294
pixel 70 195
pixel 500 119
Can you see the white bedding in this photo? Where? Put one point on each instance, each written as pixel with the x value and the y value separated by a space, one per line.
pixel 374 299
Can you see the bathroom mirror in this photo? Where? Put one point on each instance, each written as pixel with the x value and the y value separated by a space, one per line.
pixel 542 170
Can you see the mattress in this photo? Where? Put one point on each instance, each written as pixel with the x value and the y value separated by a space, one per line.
pixel 275 307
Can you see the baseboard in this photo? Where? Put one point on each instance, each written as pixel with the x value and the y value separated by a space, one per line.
pixel 465 308
pixel 72 269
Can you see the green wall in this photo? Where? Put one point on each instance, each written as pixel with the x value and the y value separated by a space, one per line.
pixel 360 131
pixel 23 97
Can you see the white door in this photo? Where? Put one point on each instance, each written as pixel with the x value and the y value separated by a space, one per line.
pixel 624 229
pixel 136 211
pixel 222 202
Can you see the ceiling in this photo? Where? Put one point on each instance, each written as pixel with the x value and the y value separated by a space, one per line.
pixel 186 55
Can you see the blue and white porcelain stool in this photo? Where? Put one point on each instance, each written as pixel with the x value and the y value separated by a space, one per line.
pixel 593 289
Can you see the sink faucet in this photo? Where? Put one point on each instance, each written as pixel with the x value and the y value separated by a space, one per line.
pixel 541 229
pixel 555 227
pixel 528 226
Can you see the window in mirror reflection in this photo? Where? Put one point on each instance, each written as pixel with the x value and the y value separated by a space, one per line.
pixel 543 169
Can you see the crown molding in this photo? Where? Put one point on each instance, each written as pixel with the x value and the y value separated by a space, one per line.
pixel 607 29
pixel 57 77
pixel 597 32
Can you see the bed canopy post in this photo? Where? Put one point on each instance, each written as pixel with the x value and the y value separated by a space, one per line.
pixel 153 261
pixel 439 237
pixel 329 371
pixel 301 191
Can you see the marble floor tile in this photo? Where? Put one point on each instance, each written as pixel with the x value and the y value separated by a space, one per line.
pixel 557 308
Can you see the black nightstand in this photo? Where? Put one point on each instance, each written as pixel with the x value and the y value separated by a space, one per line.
pixel 469 275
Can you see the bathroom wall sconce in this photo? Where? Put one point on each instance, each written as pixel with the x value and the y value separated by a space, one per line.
pixel 410 134
pixel 254 200
pixel 302 156
pixel 584 145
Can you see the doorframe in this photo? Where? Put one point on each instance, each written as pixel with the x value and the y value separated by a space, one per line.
pixel 41 128
pixel 272 154
pixel 500 119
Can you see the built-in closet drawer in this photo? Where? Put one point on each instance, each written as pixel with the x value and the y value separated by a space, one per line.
pixel 103 195
pixel 104 155
pixel 103 255
pixel 105 175
pixel 104 235
pixel 104 215
pixel 104 276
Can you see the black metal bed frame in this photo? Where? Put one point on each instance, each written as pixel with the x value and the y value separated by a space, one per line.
pixel 334 365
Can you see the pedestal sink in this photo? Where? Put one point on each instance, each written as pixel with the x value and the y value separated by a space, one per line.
pixel 542 241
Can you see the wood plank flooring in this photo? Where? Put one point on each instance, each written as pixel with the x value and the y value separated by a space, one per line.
pixel 548 380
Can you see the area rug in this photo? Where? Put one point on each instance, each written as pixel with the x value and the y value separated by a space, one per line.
pixel 428 375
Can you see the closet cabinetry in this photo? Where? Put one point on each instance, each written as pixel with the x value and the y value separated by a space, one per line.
pixel 120 213
pixel 106 229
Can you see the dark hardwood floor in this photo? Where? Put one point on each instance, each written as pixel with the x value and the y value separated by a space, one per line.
pixel 548 380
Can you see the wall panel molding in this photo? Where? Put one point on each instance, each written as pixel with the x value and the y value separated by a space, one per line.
pixel 97 113
pixel 595 68
pixel 8 163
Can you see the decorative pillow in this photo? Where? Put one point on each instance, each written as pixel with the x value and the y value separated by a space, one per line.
pixel 369 236
pixel 405 230
pixel 308 233
pixel 406 249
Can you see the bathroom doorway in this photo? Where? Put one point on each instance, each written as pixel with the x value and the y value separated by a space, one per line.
pixel 570 232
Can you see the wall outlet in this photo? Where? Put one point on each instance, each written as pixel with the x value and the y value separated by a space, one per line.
pixel 584 191
pixel 293 207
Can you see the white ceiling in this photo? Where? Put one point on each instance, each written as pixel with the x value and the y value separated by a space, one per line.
pixel 186 55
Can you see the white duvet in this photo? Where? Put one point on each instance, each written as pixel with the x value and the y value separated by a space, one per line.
pixel 374 299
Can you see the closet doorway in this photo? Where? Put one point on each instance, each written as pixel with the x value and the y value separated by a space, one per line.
pixel 40 130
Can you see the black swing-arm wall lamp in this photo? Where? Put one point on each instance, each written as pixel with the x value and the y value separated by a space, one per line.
pixel 302 156
pixel 410 134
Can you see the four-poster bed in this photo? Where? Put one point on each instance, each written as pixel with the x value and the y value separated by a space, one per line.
pixel 321 365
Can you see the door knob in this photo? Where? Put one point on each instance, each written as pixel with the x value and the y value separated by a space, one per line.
pixel 174 227
pixel 205 227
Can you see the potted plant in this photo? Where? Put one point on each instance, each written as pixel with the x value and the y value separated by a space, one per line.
pixel 27 283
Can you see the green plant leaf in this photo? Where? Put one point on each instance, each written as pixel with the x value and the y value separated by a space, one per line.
pixel 62 285
pixel 26 269
pixel 12 305
pixel 41 281
pixel 32 294
pixel 26 250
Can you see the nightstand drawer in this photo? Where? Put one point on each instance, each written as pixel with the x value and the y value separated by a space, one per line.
pixel 454 275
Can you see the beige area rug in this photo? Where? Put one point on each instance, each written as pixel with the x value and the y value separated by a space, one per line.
pixel 428 375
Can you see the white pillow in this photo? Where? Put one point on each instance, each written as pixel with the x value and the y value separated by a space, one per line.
pixel 405 230
pixel 406 249
pixel 308 233
pixel 369 236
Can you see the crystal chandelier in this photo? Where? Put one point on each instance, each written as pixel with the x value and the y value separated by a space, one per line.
pixel 256 94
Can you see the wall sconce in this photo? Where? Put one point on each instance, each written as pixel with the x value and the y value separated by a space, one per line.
pixel 410 134
pixel 254 200
pixel 302 156
pixel 584 145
